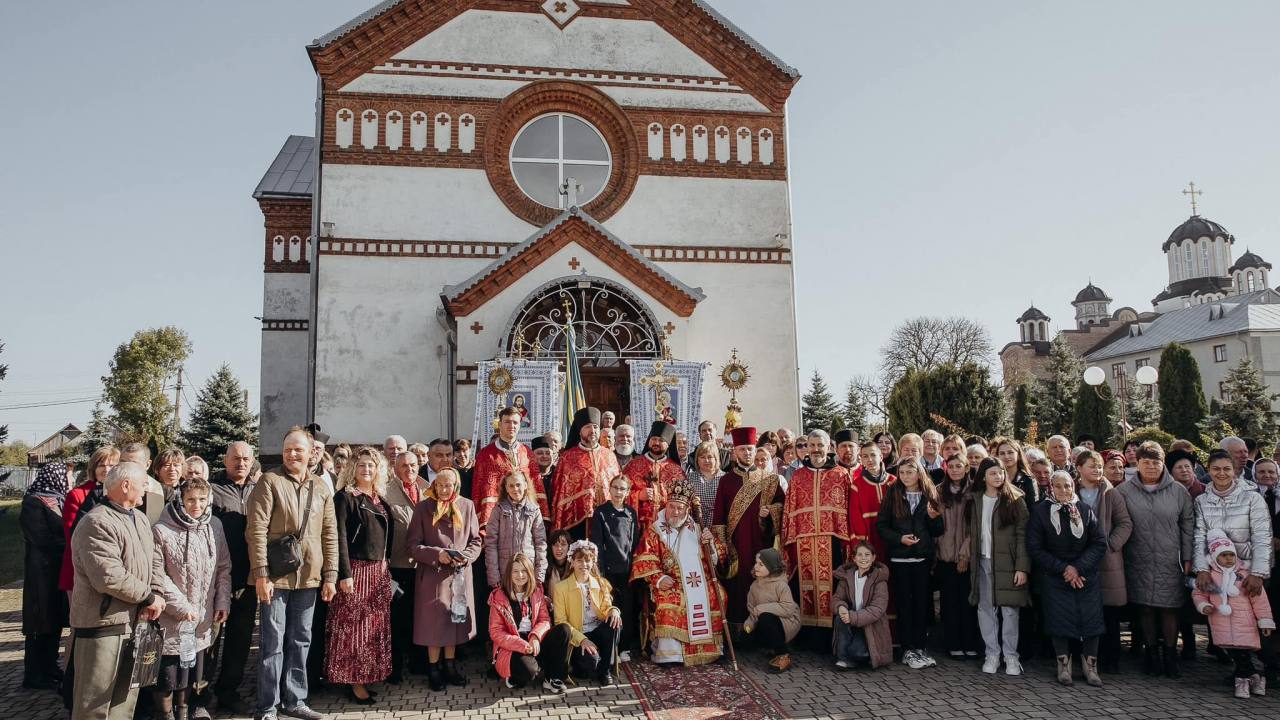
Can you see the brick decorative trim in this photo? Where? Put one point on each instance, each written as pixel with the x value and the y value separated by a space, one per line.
pixel 374 42
pixel 288 229
pixel 467 374
pixel 727 254
pixel 291 325
pixel 548 96
pixel 574 229
pixel 625 78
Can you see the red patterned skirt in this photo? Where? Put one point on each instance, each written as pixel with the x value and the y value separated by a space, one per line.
pixel 359 629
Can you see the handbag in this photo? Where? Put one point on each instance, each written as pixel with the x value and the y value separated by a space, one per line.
pixel 284 554
pixel 146 646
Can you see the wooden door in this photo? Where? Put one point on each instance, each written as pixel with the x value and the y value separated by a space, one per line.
pixel 607 389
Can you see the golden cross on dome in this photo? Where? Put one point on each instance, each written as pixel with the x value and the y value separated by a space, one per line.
pixel 1193 192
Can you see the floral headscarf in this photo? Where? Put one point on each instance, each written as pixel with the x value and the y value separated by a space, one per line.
pixel 446 507
pixel 51 479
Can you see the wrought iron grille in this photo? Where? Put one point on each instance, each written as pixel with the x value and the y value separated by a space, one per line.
pixel 608 324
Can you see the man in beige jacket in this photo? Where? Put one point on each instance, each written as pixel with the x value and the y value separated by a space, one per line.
pixel 275 509
pixel 118 578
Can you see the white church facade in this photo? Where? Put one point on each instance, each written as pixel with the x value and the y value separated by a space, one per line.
pixel 483 167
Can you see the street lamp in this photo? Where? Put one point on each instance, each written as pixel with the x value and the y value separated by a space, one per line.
pixel 1096 376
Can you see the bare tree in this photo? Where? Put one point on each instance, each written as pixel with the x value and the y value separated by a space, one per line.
pixel 925 343
pixel 876 394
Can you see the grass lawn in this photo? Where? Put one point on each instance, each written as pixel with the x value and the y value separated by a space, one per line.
pixel 10 541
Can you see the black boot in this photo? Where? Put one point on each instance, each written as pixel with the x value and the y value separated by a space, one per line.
pixel 1169 658
pixel 435 676
pixel 452 675
pixel 1151 661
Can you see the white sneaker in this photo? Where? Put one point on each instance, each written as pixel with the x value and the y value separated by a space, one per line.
pixel 1012 666
pixel 907 655
pixel 991 664
pixel 926 658
pixel 624 656
pixel 917 660
pixel 1257 684
pixel 843 664
pixel 553 686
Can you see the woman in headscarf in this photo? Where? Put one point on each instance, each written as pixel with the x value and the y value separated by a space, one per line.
pixel 44 607
pixel 444 538
pixel 1067 546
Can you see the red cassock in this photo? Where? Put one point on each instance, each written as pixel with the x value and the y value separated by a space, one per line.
pixel 641 470
pixel 737 523
pixel 815 527
pixel 494 464
pixel 581 483
pixel 864 507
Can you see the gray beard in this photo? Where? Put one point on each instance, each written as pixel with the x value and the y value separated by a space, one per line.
pixel 625 448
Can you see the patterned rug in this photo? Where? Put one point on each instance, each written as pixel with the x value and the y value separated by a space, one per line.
pixel 700 693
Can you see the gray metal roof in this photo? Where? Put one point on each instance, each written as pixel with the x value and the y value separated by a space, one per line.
pixel 382 7
pixel 1257 311
pixel 292 172
pixel 452 292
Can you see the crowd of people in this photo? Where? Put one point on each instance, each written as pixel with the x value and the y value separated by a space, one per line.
pixel 558 560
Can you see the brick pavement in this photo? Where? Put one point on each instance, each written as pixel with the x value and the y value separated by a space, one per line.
pixel 813 689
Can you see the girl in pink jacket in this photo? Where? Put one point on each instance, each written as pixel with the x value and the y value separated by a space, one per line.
pixel 1235 618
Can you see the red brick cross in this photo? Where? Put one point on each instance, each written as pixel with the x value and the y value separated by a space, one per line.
pixel 700 131
pixel 370 115
pixel 677 131
pixel 419 118
pixel 655 129
pixel 669 328
pixel 562 7
pixel 574 264
pixel 345 115
pixel 722 133
pixel 476 327
pixel 442 119
pixel 466 121
pixel 765 134
pixel 744 133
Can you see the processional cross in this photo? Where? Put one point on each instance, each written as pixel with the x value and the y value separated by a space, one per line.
pixel 660 382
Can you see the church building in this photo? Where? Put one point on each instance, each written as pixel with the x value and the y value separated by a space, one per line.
pixel 484 171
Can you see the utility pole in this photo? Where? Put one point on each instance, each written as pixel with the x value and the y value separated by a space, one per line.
pixel 177 404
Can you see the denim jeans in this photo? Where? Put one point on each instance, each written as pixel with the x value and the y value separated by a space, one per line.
pixel 285 638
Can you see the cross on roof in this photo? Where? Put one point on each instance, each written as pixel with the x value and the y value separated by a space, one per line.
pixel 574 264
pixel 1193 192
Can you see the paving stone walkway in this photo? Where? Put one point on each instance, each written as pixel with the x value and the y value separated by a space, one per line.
pixel 812 689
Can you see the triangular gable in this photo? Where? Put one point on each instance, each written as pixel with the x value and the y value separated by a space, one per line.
pixel 378 34
pixel 574 226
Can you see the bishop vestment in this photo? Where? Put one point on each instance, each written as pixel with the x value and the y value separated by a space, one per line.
pixel 736 522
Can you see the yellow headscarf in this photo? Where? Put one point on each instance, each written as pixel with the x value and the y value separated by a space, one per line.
pixel 445 507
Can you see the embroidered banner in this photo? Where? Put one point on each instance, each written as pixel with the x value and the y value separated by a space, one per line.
pixel 681 400
pixel 531 386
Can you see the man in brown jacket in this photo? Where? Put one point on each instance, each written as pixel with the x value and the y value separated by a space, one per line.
pixel 275 509
pixel 118 578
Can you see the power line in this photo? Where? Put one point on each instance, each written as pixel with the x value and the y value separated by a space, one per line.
pixel 28 406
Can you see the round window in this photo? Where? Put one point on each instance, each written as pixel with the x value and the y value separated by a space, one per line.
pixel 553 148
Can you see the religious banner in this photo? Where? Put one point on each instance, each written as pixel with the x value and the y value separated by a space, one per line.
pixel 530 386
pixel 669 390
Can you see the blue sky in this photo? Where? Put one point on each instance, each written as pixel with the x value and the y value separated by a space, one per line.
pixel 946 158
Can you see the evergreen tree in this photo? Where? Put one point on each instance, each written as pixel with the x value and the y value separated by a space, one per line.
pixel 1143 411
pixel 220 418
pixel 962 396
pixel 1021 412
pixel 855 410
pixel 98 433
pixel 1182 404
pixel 136 385
pixel 1094 413
pixel 1247 406
pixel 818 409
pixel 1056 393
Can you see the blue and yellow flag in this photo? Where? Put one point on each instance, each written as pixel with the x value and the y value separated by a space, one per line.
pixel 574 397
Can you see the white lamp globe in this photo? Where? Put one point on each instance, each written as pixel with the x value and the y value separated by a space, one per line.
pixel 1095 376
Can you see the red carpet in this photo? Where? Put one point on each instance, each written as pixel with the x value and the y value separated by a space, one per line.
pixel 700 693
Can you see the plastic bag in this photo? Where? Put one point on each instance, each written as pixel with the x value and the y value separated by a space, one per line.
pixel 458 606
pixel 146 646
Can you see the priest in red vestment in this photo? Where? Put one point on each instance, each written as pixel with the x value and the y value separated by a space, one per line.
pixel 815 528
pixel 653 474
pixel 870 483
pixel 746 518
pixel 582 475
pixel 685 624
pixel 497 460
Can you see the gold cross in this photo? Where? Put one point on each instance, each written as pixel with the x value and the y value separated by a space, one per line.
pixel 660 381
pixel 1193 192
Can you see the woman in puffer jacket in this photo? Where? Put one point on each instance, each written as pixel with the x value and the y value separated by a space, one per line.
pixel 1233 506
pixel 197 593
pixel 515 527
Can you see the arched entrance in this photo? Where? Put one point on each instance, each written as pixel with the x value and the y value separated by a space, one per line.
pixel 610 325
